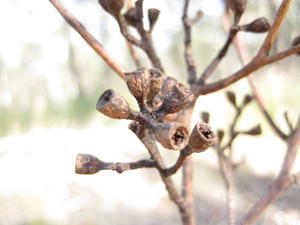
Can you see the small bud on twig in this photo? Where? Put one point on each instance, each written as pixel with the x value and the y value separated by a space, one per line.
pixel 295 42
pixel 220 134
pixel 113 7
pixel 175 100
pixel 153 15
pixel 247 100
pixel 231 98
pixel 202 137
pixel 205 117
pixel 132 17
pixel 254 131
pixel 114 106
pixel 87 164
pixel 171 135
pixel 238 7
pixel 259 25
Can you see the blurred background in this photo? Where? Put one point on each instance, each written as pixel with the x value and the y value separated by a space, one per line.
pixel 50 80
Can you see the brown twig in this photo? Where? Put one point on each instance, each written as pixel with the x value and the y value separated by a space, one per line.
pixel 283 181
pixel 147 138
pixel 133 54
pixel 215 62
pixel 189 60
pixel 88 164
pixel 89 38
pixel 258 61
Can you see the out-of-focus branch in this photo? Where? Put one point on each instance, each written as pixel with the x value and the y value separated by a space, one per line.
pixel 212 66
pixel 258 61
pixel 281 13
pixel 283 181
pixel 89 38
pixel 88 164
pixel 133 54
pixel 189 60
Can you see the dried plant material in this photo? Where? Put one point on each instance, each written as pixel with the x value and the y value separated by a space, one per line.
pixel 113 7
pixel 205 117
pixel 175 100
pixel 171 135
pixel 87 164
pixel 202 137
pixel 167 85
pixel 259 25
pixel 220 134
pixel 153 15
pixel 156 80
pixel 238 7
pixel 247 100
pixel 138 83
pixel 295 42
pixel 254 131
pixel 114 106
pixel 231 98
pixel 132 17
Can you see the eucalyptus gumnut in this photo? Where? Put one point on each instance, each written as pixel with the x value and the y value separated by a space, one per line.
pixel 132 17
pixel 175 100
pixel 259 25
pixel 113 7
pixel 172 135
pixel 156 80
pixel 153 15
pixel 114 106
pixel 238 7
pixel 87 164
pixel 202 137
pixel 295 42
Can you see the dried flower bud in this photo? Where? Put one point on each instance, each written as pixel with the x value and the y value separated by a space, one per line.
pixel 238 7
pixel 202 137
pixel 153 15
pixel 296 41
pixel 220 134
pixel 87 164
pixel 205 117
pixel 175 100
pixel 114 106
pixel 231 98
pixel 138 83
pixel 156 80
pixel 259 25
pixel 171 135
pixel 113 7
pixel 167 85
pixel 247 99
pixel 132 17
pixel 254 131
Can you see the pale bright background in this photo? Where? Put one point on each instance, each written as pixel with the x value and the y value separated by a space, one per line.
pixel 49 84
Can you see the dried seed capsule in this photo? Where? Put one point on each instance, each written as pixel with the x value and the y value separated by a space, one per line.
pixel 259 25
pixel 132 17
pixel 296 41
pixel 254 131
pixel 175 100
pixel 220 135
pixel 205 117
pixel 231 97
pixel 87 164
pixel 238 7
pixel 138 83
pixel 153 15
pixel 171 135
pixel 156 80
pixel 114 106
pixel 247 99
pixel 113 7
pixel 202 137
